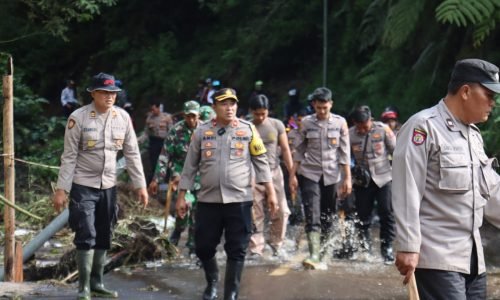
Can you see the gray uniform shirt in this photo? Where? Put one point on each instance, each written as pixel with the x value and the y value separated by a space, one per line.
pixel 442 180
pixel 379 146
pixel 158 126
pixel 225 162
pixel 91 144
pixel 269 131
pixel 321 146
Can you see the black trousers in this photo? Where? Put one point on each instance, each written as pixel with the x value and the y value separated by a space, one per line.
pixel 92 216
pixel 232 219
pixel 319 204
pixel 155 146
pixel 438 284
pixel 365 201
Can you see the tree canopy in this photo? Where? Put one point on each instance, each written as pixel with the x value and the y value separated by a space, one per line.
pixel 380 52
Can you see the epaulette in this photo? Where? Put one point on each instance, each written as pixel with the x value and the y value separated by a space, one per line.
pixel 308 118
pixel 245 122
pixel 336 116
pixel 473 126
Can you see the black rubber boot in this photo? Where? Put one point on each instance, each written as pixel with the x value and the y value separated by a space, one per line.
pixel 365 240
pixel 97 288
pixel 387 252
pixel 232 279
pixel 84 262
pixel 175 236
pixel 212 277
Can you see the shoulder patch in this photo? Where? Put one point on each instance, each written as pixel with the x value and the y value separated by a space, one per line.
pixel 71 123
pixel 256 145
pixel 419 136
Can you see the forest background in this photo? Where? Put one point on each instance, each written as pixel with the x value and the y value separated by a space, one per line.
pixel 380 53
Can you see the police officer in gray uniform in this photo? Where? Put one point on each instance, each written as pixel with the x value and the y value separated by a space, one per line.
pixel 94 135
pixel 372 143
pixel 443 184
pixel 224 150
pixel 321 155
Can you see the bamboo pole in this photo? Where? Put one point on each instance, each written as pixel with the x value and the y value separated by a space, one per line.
pixel 9 172
pixel 412 288
pixel 18 263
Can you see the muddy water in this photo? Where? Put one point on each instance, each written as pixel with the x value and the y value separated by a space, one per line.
pixel 361 277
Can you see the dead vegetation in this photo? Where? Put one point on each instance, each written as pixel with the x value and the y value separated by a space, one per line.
pixel 138 237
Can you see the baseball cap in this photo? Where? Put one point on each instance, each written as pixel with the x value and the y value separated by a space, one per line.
pixel 191 107
pixel 389 115
pixel 225 93
pixel 103 82
pixel 476 71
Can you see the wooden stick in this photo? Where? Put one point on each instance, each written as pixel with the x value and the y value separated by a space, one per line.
pixel 9 171
pixel 412 288
pixel 18 263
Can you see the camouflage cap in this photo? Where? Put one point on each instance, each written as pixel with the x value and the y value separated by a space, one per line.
pixel 206 113
pixel 191 107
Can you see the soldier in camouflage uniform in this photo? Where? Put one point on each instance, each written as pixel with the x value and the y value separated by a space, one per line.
pixel 171 161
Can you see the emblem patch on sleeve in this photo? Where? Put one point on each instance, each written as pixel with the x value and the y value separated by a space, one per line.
pixel 419 136
pixel 71 123
pixel 256 145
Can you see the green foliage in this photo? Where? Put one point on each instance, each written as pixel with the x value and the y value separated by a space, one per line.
pixel 483 14
pixel 55 17
pixel 373 23
pixel 401 21
pixel 461 12
pixel 37 139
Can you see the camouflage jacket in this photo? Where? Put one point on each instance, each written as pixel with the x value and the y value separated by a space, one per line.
pixel 173 154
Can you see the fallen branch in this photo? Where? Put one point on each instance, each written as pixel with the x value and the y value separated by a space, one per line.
pixel 20 209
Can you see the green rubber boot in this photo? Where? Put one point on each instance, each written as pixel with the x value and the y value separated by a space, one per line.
pixel 96 277
pixel 84 263
pixel 313 261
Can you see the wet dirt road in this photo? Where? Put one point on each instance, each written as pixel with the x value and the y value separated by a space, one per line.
pixel 363 277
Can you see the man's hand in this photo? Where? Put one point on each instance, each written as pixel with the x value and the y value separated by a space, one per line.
pixel 272 202
pixel 346 188
pixel 153 187
pixel 142 196
pixel 293 184
pixel 180 204
pixel 406 262
pixel 59 200
pixel 174 181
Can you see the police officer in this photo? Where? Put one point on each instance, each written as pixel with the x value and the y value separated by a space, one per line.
pixel 171 161
pixel 157 126
pixel 321 154
pixel 94 135
pixel 442 182
pixel 372 143
pixel 223 151
pixel 273 134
